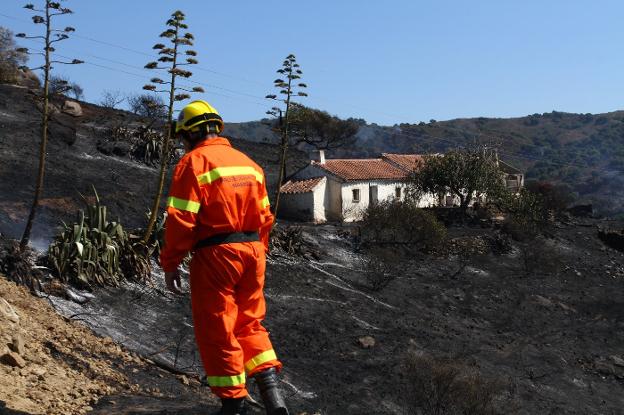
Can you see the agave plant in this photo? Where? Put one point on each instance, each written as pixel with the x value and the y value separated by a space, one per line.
pixel 157 237
pixel 94 251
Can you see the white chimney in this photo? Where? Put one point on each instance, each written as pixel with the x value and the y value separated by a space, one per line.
pixel 317 156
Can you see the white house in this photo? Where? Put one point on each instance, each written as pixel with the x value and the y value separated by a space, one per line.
pixel 341 189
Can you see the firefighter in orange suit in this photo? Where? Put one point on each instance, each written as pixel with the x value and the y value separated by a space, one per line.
pixel 218 207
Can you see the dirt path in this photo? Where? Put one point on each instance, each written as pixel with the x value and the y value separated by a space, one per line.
pixel 55 366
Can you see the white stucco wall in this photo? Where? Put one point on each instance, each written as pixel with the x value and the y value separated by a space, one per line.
pixel 353 210
pixel 308 206
pixel 320 201
pixel 330 196
pixel 333 199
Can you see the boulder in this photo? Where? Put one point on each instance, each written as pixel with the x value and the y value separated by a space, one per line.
pixel 72 108
pixel 17 344
pixel 12 359
pixel 366 342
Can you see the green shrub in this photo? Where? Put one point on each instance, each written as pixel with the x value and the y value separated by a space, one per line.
pixel 94 251
pixel 527 215
pixel 396 222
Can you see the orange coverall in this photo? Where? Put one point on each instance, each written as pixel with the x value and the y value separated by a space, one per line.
pixel 215 190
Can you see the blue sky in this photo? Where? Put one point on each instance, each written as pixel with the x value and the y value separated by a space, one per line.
pixel 387 62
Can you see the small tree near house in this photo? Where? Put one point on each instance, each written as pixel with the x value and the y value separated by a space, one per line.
pixel 51 36
pixel 466 174
pixel 173 61
pixel 287 89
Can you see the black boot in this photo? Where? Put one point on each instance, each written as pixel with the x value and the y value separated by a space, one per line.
pixel 231 406
pixel 273 401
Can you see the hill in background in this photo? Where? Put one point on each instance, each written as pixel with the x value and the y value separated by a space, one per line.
pixel 583 151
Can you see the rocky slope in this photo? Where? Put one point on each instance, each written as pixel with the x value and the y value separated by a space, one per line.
pixel 55 365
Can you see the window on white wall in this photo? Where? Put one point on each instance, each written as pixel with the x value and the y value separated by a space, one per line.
pixel 356 195
pixel 397 192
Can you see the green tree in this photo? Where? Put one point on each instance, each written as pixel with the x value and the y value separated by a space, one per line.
pixel 467 174
pixel 51 36
pixel 172 59
pixel 287 89
pixel 10 57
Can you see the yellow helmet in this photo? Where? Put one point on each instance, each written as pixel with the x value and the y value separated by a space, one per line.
pixel 198 113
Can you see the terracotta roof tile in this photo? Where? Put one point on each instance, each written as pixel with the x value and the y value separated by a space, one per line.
pixel 362 169
pixel 301 186
pixel 408 162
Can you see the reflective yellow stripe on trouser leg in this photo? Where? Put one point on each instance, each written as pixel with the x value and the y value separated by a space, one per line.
pixel 259 359
pixel 224 381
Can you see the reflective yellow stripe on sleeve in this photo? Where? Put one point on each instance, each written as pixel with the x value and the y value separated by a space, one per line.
pixel 182 204
pixel 259 359
pixel 220 172
pixel 221 381
pixel 265 202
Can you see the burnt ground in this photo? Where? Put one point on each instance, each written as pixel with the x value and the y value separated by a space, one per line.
pixel 544 320
pixel 74 164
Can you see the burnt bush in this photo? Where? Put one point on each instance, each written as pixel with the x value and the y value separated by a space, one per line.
pixel 150 106
pixel 541 257
pixel 142 144
pixel 436 386
pixel 292 241
pixel 380 267
pixel 17 266
pixel 400 223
